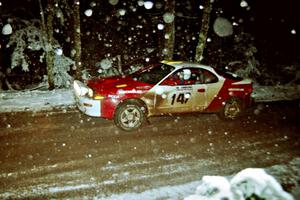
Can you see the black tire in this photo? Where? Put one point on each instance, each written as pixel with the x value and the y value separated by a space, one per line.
pixel 129 116
pixel 232 109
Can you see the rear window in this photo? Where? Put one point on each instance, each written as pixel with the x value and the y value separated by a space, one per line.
pixel 229 75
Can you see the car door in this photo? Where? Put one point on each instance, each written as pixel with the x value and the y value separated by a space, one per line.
pixel 206 88
pixel 200 94
pixel 173 95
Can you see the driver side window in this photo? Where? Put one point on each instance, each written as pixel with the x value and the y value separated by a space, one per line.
pixel 180 77
pixel 191 76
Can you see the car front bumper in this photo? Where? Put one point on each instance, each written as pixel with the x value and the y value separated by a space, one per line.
pixel 88 106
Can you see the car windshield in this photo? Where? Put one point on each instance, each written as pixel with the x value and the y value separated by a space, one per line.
pixel 153 74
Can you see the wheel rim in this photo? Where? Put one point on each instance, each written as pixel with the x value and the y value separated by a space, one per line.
pixel 232 109
pixel 130 117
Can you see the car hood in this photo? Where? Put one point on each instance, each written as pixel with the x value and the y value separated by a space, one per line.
pixel 114 84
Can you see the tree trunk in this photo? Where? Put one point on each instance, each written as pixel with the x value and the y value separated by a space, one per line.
pixel 77 39
pixel 203 31
pixel 50 51
pixel 47 32
pixel 169 43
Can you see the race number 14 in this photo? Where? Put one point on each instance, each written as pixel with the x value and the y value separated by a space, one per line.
pixel 180 98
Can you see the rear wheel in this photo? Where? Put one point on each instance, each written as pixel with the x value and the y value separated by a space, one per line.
pixel 129 116
pixel 231 110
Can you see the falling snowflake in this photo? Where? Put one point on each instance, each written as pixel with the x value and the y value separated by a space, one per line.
pixel 93 4
pixel 148 5
pixel 244 4
pixel 140 2
pixel 121 12
pixel 168 17
pixel 88 12
pixel 113 2
pixel 167 36
pixel 160 26
pixel 293 31
pixel 7 29
pixel 222 27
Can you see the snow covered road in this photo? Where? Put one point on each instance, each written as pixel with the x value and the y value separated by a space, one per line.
pixel 70 155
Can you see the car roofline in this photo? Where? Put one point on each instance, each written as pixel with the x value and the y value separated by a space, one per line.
pixel 183 64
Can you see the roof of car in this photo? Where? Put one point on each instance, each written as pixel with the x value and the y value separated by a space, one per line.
pixel 180 64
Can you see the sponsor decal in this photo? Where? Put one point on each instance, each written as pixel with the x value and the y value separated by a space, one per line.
pixel 143 87
pixel 236 89
pixel 133 91
pixel 184 88
pixel 113 96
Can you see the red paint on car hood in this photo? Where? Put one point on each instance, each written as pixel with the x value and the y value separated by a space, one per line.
pixel 111 85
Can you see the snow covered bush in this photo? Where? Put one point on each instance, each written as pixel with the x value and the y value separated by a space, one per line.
pixel 250 67
pixel 249 184
pixel 29 39
pixel 106 67
pixel 61 67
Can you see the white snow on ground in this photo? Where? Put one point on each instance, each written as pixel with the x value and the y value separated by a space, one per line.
pixel 242 186
pixel 245 183
pixel 276 93
pixel 37 100
pixel 177 192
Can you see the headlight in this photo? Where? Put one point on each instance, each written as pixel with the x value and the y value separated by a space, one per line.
pixel 77 87
pixel 90 92
pixel 98 97
pixel 81 89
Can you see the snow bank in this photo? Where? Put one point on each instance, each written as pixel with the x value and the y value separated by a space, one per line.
pixel 276 93
pixel 251 182
pixel 35 100
pixel 238 187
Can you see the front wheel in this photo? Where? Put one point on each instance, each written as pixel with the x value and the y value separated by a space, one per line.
pixel 231 110
pixel 129 116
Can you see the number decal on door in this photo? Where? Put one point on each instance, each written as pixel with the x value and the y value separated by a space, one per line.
pixel 180 98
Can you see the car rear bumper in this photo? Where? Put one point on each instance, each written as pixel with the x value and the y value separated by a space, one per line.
pixel 89 106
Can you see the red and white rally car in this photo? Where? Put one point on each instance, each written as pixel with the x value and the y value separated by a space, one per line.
pixel 164 88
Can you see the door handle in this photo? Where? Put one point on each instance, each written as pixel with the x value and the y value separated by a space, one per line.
pixel 201 90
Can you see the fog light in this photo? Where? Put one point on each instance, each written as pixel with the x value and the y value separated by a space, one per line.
pixel 87 105
pixel 98 97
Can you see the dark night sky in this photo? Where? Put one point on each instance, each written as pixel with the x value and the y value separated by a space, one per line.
pixel 271 22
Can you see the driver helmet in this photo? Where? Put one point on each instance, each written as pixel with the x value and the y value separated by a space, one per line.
pixel 187 74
